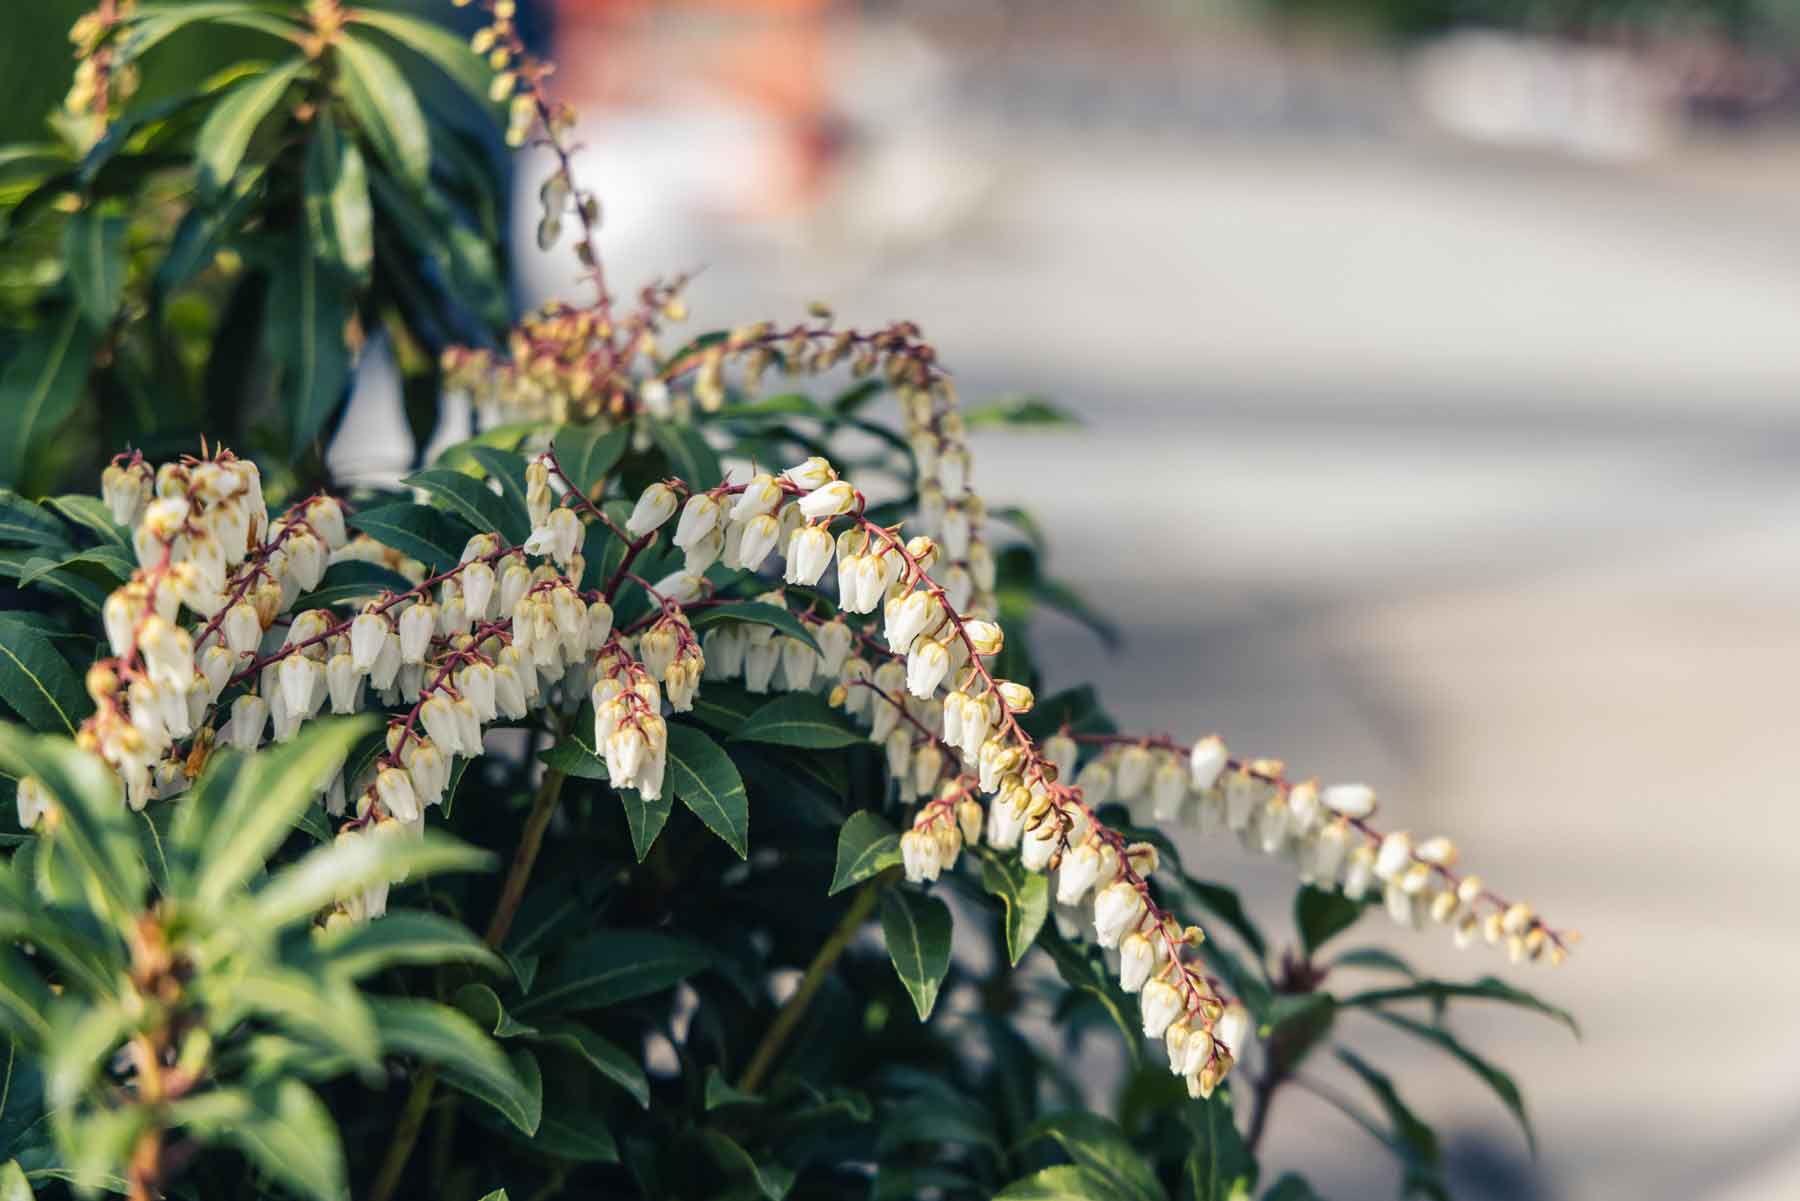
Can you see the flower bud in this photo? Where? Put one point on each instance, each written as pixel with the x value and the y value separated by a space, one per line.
pixel 1351 800
pixel 1159 1004
pixel 985 637
pixel 654 506
pixel 1136 959
pixel 1016 697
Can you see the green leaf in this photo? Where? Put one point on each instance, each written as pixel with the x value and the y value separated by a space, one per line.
pixel 351 581
pixel 468 1058
pixel 576 1137
pixel 1019 411
pixel 1065 1182
pixel 282 1127
pixel 1414 1142
pixel 13 1185
pixel 328 1012
pixel 404 936
pixel 690 456
pixel 719 1091
pixel 610 966
pixel 338 213
pixel 473 501
pixel 1084 969
pixel 755 613
pixel 385 107
pixel 917 928
pixel 610 1061
pixel 704 779
pixel 418 531
pixel 772 1181
pixel 225 136
pixel 867 845
pixel 587 452
pixel 270 791
pixel 309 306
pixel 94 827
pixel 36 682
pixel 1375 959
pixel 87 511
pixel 1220 1167
pixel 449 53
pixel 1499 1081
pixel 106 566
pixel 1025 893
pixel 1224 904
pixel 1291 1187
pixel 353 864
pixel 1098 1145
pixel 1488 988
pixel 94 253
pixel 1321 916
pixel 1296 1024
pixel 483 1004
pixel 24 523
pixel 508 470
pixel 43 378
pixel 799 719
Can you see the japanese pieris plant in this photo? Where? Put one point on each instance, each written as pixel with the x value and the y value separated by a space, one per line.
pixel 656 794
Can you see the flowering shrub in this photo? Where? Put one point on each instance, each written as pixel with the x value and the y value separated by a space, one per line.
pixel 281 752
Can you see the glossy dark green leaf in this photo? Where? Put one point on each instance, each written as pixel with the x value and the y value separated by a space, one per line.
pixel 719 1093
pixel 351 581
pixel 1296 1023
pixel 1492 1076
pixel 473 501
pixel 587 452
pixel 1097 1144
pixel 36 682
pixel 89 512
pixel 867 845
pixel 771 1181
pixel 42 380
pixel 225 136
pixel 576 1138
pixel 1291 1187
pixel 1219 1167
pixel 1224 904
pixel 417 531
pixel 1085 969
pixel 604 1057
pixel 24 523
pixel 94 255
pixel 1375 959
pixel 917 929
pixel 610 966
pixel 1413 1142
pixel 484 1007
pixel 385 107
pixel 105 565
pixel 467 1057
pixel 1320 916
pixel 309 307
pixel 705 780
pixel 755 613
pixel 690 456
pixel 338 212
pixel 1024 893
pixel 799 719
pixel 507 469
pixel 1488 988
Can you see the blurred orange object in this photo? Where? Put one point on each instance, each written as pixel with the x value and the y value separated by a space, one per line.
pixel 770 58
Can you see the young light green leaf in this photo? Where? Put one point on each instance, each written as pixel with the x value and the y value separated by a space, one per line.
pixel 385 107
pixel 473 501
pixel 1498 1080
pixel 36 682
pixel 468 1058
pixel 798 719
pixel 94 827
pixel 755 613
pixel 225 136
pixel 610 966
pixel 866 846
pixel 94 253
pixel 917 928
pixel 588 452
pixel 705 780
pixel 403 936
pixel 1065 1182
pixel 419 531
pixel 1025 893
pixel 39 386
pixel 449 53
pixel 13 1185
pixel 270 791
pixel 345 867
pixel 329 1012
pixel 282 1127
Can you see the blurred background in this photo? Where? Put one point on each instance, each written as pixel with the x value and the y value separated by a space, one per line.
pixel 1440 364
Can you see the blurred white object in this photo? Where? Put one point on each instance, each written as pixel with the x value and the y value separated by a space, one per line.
pixel 1588 101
